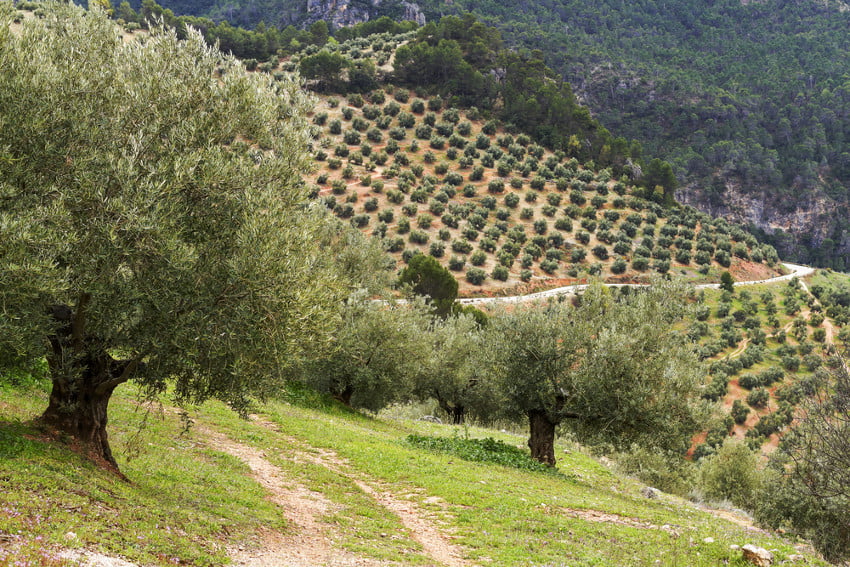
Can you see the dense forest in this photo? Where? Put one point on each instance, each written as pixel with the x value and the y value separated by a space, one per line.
pixel 748 101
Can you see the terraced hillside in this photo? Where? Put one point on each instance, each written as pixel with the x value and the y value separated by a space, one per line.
pixel 501 211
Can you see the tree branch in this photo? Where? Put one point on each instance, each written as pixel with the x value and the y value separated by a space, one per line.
pixel 129 367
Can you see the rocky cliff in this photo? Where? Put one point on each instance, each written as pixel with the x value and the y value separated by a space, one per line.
pixel 813 227
pixel 342 13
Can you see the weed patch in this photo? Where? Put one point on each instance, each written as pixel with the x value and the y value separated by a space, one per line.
pixel 486 450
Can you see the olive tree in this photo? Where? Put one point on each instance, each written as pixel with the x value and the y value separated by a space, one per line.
pixel 376 353
pixel 614 370
pixel 153 223
pixel 453 373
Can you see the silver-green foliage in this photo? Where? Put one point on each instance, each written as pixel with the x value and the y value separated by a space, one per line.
pixel 162 181
pixel 376 353
pixel 453 371
pixel 613 369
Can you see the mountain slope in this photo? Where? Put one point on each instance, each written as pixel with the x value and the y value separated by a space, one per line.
pixel 748 100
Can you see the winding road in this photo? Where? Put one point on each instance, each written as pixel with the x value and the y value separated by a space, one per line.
pixel 795 271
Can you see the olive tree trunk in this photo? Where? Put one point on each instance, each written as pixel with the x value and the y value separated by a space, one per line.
pixel 84 376
pixel 541 439
pixel 456 412
pixel 80 412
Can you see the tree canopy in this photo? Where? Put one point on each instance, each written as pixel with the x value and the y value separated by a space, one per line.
pixel 612 369
pixel 428 278
pixel 153 225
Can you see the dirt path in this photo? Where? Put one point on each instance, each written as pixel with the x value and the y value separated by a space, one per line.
pixel 311 542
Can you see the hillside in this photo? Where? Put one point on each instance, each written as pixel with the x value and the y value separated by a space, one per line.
pixel 207 264
pixel 746 99
pixel 279 490
pixel 500 211
pixel 508 216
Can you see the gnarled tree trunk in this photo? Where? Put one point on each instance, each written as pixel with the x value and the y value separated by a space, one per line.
pixel 345 395
pixel 84 376
pixel 79 410
pixel 541 440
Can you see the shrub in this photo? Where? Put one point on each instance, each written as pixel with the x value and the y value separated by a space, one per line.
pixel 437 142
pixel 731 474
pixel 351 137
pixel 462 246
pixel 418 237
pixel 500 273
pixel 437 249
pixel 496 186
pixel 758 398
pixel 423 132
pixel 476 276
pixel 640 263
pixel 549 266
pixel 619 266
pixel 456 263
pixel 739 412
pixel 478 258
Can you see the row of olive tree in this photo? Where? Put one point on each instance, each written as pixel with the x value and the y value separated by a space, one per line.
pixel 611 368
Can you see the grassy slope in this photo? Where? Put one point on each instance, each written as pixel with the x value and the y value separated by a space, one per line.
pixel 186 501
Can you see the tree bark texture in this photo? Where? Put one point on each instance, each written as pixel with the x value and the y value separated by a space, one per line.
pixel 541 440
pixel 84 376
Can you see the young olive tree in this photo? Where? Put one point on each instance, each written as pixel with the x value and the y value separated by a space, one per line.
pixel 453 373
pixel 613 370
pixel 376 353
pixel 153 223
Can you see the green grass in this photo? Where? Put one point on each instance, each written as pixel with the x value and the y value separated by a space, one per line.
pixel 186 502
pixel 181 500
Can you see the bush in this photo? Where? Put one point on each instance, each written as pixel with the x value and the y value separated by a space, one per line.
pixel 619 266
pixel 640 263
pixel 476 276
pixel 739 412
pixel 418 237
pixel 731 474
pixel 500 273
pixel 758 398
